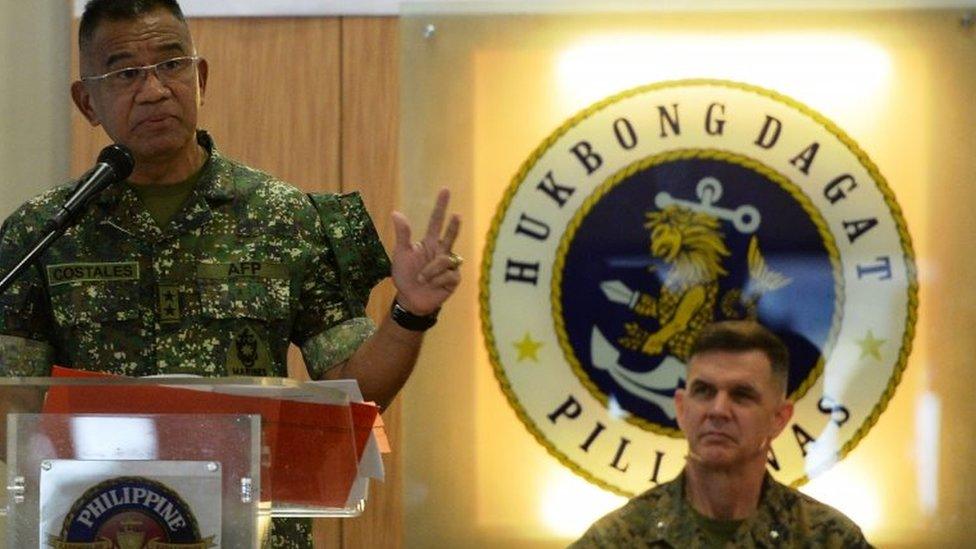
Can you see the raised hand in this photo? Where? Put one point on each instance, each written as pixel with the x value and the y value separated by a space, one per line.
pixel 425 272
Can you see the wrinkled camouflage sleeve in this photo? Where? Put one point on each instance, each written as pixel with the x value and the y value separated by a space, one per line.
pixel 332 322
pixel 25 325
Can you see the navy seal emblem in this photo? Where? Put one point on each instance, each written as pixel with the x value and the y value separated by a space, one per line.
pixel 130 513
pixel 672 205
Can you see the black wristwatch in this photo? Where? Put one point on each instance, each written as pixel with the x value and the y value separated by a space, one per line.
pixel 410 321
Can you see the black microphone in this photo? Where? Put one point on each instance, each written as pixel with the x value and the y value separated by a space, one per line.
pixel 115 163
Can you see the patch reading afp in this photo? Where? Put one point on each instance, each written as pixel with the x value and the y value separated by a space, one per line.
pixel 240 269
pixel 659 210
pixel 130 513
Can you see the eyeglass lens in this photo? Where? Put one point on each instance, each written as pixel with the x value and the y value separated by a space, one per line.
pixel 166 71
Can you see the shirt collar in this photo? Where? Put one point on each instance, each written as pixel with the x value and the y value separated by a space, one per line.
pixel 673 521
pixel 123 210
pixel 215 184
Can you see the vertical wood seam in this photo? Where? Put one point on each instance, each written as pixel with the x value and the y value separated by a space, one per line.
pixel 340 144
pixel 342 104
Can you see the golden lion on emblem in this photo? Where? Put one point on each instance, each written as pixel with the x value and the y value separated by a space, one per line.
pixel 693 247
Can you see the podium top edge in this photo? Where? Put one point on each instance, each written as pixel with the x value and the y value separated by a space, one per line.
pixel 169 381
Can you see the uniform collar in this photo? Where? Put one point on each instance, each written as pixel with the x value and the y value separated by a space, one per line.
pixel 673 521
pixel 125 212
pixel 215 184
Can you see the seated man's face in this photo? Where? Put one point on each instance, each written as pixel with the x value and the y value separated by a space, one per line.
pixel 731 408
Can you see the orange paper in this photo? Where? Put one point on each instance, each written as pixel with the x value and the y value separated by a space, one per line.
pixel 314 448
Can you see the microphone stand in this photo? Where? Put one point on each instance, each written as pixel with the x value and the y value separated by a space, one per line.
pixel 115 163
pixel 41 245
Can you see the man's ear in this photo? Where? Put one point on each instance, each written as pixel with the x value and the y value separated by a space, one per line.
pixel 781 417
pixel 202 71
pixel 82 99
pixel 679 407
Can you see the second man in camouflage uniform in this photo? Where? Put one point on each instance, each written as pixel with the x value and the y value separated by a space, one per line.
pixel 734 404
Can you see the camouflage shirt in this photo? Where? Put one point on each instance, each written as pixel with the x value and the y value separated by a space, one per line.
pixel 662 517
pixel 248 265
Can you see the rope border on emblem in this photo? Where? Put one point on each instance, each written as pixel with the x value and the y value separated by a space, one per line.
pixel 833 129
pixel 683 154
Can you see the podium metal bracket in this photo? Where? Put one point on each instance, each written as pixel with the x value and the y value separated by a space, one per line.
pixel 17 489
pixel 247 490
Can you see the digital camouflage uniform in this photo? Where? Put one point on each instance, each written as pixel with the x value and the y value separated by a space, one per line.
pixel 662 517
pixel 248 265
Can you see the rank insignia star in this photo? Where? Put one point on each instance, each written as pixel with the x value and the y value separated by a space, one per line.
pixel 169 303
pixel 528 348
pixel 870 345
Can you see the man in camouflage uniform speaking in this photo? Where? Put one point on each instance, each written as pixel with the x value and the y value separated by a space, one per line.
pixel 197 264
pixel 733 405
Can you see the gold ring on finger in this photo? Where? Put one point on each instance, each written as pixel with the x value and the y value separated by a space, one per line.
pixel 456 260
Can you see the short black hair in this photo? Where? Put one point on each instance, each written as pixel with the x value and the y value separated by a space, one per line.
pixel 97 11
pixel 745 335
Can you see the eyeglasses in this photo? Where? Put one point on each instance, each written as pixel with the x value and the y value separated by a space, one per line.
pixel 175 69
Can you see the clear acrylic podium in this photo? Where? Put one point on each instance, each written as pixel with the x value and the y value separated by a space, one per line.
pixel 173 462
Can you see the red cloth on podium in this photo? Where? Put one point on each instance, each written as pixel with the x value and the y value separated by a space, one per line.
pixel 313 453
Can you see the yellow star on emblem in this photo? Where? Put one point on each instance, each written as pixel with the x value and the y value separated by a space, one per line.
pixel 870 345
pixel 528 348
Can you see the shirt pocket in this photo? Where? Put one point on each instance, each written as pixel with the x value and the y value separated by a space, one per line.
pixel 99 326
pixel 264 299
pixel 89 305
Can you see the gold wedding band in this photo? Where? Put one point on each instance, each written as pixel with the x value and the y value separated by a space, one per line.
pixel 456 260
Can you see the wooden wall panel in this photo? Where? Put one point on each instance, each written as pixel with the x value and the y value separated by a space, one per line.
pixel 370 126
pixel 273 96
pixel 313 101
